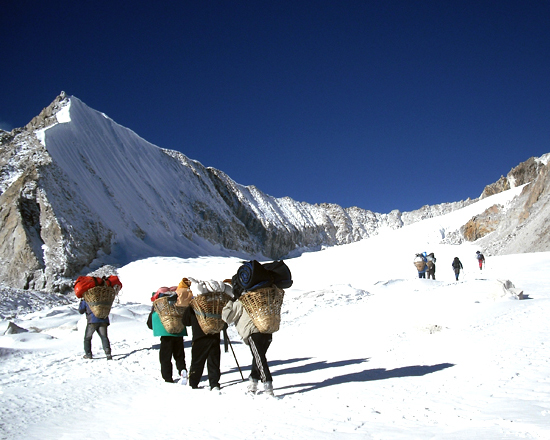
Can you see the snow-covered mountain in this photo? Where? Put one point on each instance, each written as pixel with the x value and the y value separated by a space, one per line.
pixel 78 191
pixel 366 350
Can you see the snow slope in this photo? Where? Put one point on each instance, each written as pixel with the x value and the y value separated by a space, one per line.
pixel 80 191
pixel 129 183
pixel 366 350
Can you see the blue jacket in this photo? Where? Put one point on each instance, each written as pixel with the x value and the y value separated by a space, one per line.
pixel 83 307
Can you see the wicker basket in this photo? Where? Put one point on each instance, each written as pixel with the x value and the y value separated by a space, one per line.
pixel 100 299
pixel 170 315
pixel 208 310
pixel 264 307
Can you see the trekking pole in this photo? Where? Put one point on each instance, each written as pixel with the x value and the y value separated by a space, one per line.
pixel 226 338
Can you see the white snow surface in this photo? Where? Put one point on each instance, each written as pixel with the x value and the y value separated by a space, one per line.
pixel 366 350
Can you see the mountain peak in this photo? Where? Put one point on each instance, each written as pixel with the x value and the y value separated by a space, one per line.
pixel 79 191
pixel 46 117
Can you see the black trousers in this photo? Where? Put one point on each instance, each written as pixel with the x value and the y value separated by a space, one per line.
pixel 171 347
pixel 457 272
pixel 101 330
pixel 205 350
pixel 259 343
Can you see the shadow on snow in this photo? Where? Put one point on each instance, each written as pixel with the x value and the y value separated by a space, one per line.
pixel 361 376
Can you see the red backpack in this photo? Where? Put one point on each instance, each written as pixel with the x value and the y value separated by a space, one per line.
pixel 114 281
pixel 83 284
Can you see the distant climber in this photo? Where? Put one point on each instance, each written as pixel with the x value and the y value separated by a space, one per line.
pixel 420 262
pixel 457 265
pixel 431 265
pixel 480 259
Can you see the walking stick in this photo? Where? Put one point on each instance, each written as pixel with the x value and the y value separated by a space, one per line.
pixel 228 341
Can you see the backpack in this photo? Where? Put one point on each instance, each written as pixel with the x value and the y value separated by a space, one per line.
pixel 85 283
pixel 282 277
pixel 163 291
pixel 114 282
pixel 253 275
pixel 419 262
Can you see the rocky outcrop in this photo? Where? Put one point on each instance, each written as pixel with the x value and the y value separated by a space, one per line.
pixel 47 117
pixel 525 227
pixel 39 249
pixel 20 245
pixel 524 173
pixel 481 225
pixel 534 192
pixel 430 211
pixel 13 329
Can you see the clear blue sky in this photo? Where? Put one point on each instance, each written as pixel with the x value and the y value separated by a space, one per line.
pixel 378 104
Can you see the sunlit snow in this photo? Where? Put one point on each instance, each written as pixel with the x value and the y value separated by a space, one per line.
pixel 366 350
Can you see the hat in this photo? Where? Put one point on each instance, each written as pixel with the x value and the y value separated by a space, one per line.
pixel 184 283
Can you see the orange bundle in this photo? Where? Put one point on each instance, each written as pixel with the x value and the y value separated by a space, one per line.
pixel 83 284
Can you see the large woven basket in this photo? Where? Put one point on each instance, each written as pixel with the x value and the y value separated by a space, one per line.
pixel 264 307
pixel 170 315
pixel 100 299
pixel 208 310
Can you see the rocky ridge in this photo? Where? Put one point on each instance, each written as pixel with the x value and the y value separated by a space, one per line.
pixel 523 226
